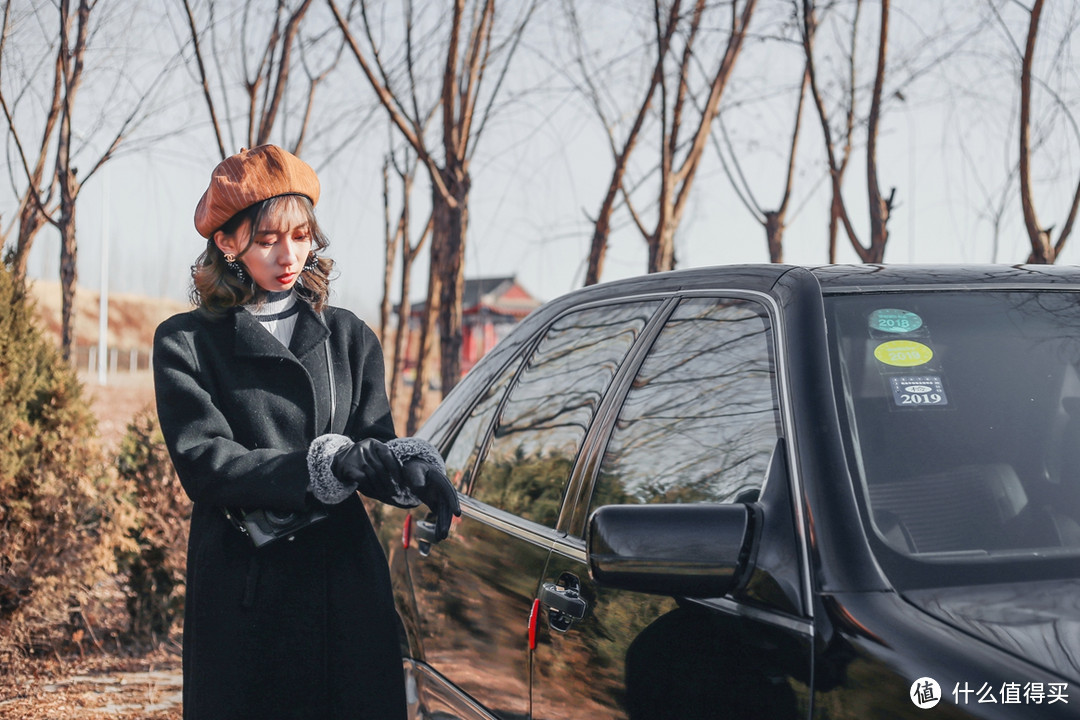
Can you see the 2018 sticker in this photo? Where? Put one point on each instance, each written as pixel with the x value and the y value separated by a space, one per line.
pixel 918 390
pixel 903 353
pixel 892 320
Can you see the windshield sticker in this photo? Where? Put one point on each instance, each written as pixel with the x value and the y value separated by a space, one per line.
pixel 918 391
pixel 891 320
pixel 903 353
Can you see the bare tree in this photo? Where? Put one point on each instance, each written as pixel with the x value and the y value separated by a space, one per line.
pixel 267 58
pixel 679 156
pixel 52 198
pixel 773 221
pixel 399 234
pixel 390 242
pixel 465 104
pixel 410 250
pixel 602 222
pixel 36 203
pixel 1043 249
pixel 880 206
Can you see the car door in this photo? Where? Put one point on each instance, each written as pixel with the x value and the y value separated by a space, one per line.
pixel 698 421
pixel 511 459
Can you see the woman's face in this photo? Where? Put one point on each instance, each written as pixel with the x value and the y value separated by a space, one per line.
pixel 280 248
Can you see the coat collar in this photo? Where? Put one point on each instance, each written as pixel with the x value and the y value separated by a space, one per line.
pixel 252 339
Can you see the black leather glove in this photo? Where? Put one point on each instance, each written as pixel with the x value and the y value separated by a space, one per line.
pixel 432 487
pixel 371 465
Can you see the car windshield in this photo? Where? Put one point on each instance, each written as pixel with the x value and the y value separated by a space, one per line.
pixel 963 415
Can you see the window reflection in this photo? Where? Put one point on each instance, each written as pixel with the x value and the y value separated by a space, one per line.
pixel 549 410
pixel 965 450
pixel 701 419
pixel 461 457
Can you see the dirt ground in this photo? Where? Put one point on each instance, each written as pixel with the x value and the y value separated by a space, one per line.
pixel 122 688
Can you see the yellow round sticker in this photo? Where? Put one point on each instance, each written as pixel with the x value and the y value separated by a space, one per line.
pixel 903 353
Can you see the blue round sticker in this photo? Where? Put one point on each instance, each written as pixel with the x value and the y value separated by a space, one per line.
pixel 891 320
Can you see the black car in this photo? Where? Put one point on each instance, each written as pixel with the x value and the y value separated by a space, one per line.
pixel 760 492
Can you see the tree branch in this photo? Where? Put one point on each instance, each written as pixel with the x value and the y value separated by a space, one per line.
pixel 388 102
pixel 1040 247
pixel 202 76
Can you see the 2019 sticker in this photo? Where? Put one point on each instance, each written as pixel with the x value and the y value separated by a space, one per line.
pixel 903 353
pixel 918 390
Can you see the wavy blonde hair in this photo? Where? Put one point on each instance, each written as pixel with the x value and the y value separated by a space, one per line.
pixel 216 289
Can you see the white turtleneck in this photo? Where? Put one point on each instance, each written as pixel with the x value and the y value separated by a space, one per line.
pixel 277 314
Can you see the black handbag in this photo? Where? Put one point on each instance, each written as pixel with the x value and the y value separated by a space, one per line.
pixel 266 526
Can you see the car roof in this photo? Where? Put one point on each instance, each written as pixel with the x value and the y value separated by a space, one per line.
pixel 870 278
pixel 836 278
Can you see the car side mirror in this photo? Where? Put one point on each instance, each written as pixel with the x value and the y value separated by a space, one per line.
pixel 693 550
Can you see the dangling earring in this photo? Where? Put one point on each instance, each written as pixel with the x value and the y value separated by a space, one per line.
pixel 235 268
pixel 312 262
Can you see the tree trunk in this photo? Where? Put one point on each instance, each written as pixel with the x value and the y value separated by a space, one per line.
pixel 68 273
pixel 408 255
pixel 662 242
pixel 427 344
pixel 30 222
pixel 835 210
pixel 880 208
pixel 1042 251
pixel 404 315
pixel 448 258
pixel 391 240
pixel 774 236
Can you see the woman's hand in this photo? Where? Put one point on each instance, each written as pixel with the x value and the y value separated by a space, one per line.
pixel 432 487
pixel 371 466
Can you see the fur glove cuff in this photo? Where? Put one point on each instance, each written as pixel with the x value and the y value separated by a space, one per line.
pixel 323 484
pixel 413 448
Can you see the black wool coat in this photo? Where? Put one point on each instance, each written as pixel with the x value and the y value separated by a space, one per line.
pixel 297 629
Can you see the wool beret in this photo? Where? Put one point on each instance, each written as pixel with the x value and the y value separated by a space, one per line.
pixel 249 177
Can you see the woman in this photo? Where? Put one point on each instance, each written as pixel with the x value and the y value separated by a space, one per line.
pixel 272 404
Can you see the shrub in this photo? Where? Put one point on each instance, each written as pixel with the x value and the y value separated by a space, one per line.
pixel 62 512
pixel 154 568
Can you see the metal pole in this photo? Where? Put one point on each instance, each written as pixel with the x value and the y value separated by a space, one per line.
pixel 103 302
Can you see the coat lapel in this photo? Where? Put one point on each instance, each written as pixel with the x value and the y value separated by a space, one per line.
pixel 305 349
pixel 252 339
pixel 309 346
pixel 309 334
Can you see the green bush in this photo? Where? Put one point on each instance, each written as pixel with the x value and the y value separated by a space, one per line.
pixel 154 569
pixel 62 511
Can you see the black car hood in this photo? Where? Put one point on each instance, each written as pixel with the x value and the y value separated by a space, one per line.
pixel 1037 621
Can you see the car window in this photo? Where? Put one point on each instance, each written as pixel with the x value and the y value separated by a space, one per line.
pixel 461 455
pixel 548 411
pixel 701 418
pixel 964 410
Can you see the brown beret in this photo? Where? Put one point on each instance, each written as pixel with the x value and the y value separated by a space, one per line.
pixel 249 177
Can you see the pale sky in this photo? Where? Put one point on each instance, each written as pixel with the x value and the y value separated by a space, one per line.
pixel 947 147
